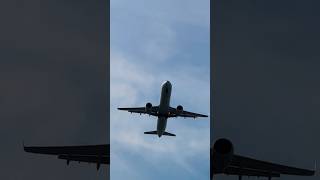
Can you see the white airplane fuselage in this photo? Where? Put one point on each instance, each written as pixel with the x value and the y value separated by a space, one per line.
pixel 164 107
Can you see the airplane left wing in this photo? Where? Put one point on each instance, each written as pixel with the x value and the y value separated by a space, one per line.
pixel 224 161
pixel 99 154
pixel 183 113
pixel 241 165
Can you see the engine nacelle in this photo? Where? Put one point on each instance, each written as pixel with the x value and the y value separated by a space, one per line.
pixel 148 107
pixel 221 154
pixel 179 109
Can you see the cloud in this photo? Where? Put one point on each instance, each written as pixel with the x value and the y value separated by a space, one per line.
pixel 150 31
pixel 133 88
pixel 149 44
pixel 178 11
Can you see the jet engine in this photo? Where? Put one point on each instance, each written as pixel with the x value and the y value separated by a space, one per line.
pixel 179 109
pixel 221 154
pixel 148 107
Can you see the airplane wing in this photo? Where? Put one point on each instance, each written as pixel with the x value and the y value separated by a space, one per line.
pixel 142 110
pixel 183 113
pixel 99 154
pixel 244 166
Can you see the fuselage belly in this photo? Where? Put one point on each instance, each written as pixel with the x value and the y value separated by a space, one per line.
pixel 164 107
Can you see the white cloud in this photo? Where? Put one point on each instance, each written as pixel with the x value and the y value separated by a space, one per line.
pixel 159 42
pixel 127 80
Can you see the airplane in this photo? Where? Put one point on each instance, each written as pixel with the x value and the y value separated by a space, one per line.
pixel 99 154
pixel 224 161
pixel 163 111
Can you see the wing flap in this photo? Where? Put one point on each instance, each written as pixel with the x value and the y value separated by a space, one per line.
pixel 249 172
pixel 89 159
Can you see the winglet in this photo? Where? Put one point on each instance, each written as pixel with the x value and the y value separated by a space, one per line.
pixel 315 166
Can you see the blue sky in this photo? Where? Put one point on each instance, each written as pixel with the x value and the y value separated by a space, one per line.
pixel 153 41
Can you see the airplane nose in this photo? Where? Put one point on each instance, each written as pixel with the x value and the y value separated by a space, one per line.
pixel 167 83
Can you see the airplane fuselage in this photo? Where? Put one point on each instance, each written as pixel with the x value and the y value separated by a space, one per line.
pixel 164 107
pixel 163 111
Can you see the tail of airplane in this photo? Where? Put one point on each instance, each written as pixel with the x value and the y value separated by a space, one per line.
pixel 156 133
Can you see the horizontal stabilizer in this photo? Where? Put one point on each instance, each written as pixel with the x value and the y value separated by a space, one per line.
pixel 155 133
pixel 168 134
pixel 151 132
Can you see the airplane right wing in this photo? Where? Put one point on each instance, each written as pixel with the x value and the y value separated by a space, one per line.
pixel 99 154
pixel 142 110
